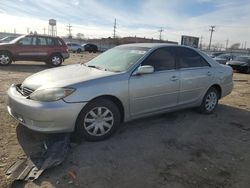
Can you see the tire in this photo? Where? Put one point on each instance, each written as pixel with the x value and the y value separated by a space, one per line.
pixel 248 70
pixel 90 123
pixel 5 59
pixel 78 50
pixel 210 101
pixel 55 60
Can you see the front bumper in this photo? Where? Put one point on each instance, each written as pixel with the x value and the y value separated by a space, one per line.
pixel 65 55
pixel 48 117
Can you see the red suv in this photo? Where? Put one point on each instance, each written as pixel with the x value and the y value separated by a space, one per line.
pixel 51 50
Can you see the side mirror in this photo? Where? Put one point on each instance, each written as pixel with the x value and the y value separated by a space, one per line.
pixel 145 69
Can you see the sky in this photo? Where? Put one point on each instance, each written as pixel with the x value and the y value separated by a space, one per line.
pixel 141 18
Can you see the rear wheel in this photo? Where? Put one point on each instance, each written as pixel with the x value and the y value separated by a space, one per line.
pixel 98 120
pixel 5 59
pixel 210 101
pixel 79 51
pixel 55 60
pixel 248 70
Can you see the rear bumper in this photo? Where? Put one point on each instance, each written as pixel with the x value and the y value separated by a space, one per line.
pixel 227 89
pixel 238 67
pixel 47 117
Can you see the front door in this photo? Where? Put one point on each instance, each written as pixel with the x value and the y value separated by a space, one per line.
pixel 156 91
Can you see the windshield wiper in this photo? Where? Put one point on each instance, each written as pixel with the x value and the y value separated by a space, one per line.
pixel 96 67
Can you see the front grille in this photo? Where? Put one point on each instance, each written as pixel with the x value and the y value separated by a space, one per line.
pixel 25 91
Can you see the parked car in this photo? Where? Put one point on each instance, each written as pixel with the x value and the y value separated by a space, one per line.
pixel 223 58
pixel 51 50
pixel 7 39
pixel 215 54
pixel 241 63
pixel 121 84
pixel 75 47
pixel 90 48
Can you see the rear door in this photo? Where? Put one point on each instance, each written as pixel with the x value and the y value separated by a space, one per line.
pixel 156 91
pixel 24 48
pixel 195 75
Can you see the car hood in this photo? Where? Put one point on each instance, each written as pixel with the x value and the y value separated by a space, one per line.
pixel 63 76
pixel 236 62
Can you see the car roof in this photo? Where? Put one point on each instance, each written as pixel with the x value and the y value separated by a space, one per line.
pixel 148 45
pixel 39 35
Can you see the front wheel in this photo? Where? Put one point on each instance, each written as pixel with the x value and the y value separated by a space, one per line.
pixel 55 60
pixel 98 120
pixel 210 101
pixel 5 59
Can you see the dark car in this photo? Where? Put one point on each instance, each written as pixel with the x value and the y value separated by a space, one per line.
pixel 241 64
pixel 7 39
pixel 51 50
pixel 223 58
pixel 90 48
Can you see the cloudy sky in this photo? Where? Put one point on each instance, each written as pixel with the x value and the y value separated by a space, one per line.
pixel 143 18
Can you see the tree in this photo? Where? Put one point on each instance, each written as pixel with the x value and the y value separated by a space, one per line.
pixel 80 37
pixel 235 46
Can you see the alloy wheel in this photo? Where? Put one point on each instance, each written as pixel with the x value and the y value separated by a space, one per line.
pixel 4 59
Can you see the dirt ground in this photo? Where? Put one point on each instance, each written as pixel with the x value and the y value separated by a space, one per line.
pixel 183 149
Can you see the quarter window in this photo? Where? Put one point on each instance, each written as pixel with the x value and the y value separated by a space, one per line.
pixel 189 58
pixel 25 41
pixel 161 59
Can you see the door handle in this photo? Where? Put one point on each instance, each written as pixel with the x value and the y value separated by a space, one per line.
pixel 174 78
pixel 209 73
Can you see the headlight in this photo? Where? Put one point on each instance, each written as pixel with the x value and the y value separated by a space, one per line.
pixel 51 94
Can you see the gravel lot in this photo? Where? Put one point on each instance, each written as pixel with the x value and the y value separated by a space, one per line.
pixel 183 149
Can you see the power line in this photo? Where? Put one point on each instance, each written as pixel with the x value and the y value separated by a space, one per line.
pixel 211 35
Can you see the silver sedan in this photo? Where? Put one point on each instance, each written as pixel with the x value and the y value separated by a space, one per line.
pixel 122 84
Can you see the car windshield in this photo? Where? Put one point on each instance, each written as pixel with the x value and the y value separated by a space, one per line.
pixel 118 59
pixel 241 58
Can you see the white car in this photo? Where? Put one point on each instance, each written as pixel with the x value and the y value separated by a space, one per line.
pixel 75 47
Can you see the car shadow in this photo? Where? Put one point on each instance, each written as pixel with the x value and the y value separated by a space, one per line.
pixel 28 68
pixel 148 147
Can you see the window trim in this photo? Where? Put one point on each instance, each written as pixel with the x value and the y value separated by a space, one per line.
pixel 165 47
pixel 178 59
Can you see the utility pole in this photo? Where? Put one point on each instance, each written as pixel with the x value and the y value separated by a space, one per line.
pixel 44 31
pixel 114 34
pixel 201 42
pixel 160 37
pixel 69 30
pixel 211 35
pixel 227 43
pixel 245 45
pixel 28 30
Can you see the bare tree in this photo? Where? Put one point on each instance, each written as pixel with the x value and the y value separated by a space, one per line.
pixel 80 37
pixel 235 46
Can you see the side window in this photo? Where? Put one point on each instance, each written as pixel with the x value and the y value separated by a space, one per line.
pixel 25 41
pixel 161 59
pixel 41 41
pixel 50 42
pixel 189 58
